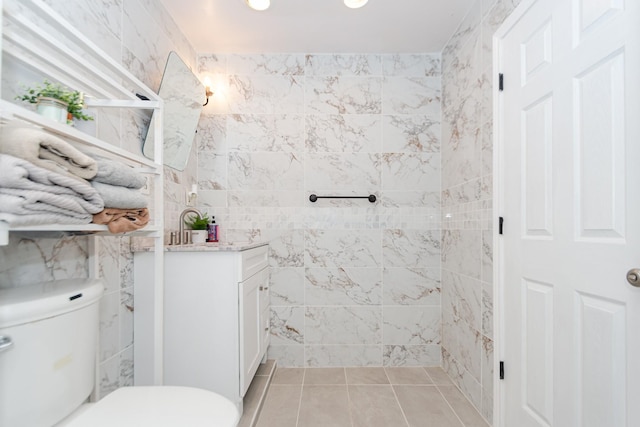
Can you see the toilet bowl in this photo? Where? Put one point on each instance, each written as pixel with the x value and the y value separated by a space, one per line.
pixel 47 364
pixel 157 406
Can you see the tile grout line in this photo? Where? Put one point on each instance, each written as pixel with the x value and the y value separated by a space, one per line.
pixel 397 400
pixel 346 384
pixel 304 374
pixel 449 404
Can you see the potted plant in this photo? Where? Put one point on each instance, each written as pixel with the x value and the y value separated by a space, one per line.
pixel 198 225
pixel 56 102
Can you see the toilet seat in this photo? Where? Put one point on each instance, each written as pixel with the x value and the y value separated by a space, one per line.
pixel 159 406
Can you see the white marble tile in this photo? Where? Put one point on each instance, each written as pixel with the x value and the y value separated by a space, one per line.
pixel 287 325
pixel 411 95
pixel 412 355
pixel 109 262
pixel 487 256
pixel 212 133
pixel 126 317
pixel 109 374
pixel 213 173
pixel 411 286
pixel 343 65
pixel 487 366
pixel 109 325
pixel 342 355
pixel 411 65
pixel 265 132
pixel 286 286
pixel 286 248
pixel 469 386
pixel 411 248
pixel 343 95
pixel 287 356
pixel 265 171
pixel 461 252
pixel 265 199
pixel 126 367
pixel 411 133
pixel 211 199
pixel 463 342
pixel 487 310
pixel 428 199
pixel 407 170
pixel 462 296
pixel 27 261
pixel 357 172
pixel 336 133
pixel 342 248
pixel 266 64
pixel 212 63
pixel 343 286
pixel 126 262
pixel 265 94
pixel 411 325
pixel 343 325
pixel 487 148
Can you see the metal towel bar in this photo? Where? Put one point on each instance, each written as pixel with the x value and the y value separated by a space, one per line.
pixel 371 197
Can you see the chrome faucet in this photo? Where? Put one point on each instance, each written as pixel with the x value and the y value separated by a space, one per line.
pixel 181 238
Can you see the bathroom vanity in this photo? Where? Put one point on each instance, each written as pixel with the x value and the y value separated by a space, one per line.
pixel 216 315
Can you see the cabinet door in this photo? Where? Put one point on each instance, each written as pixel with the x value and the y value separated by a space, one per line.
pixel 250 329
pixel 265 315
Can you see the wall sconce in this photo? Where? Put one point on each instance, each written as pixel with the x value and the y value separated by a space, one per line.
pixel 207 90
pixel 354 4
pixel 259 4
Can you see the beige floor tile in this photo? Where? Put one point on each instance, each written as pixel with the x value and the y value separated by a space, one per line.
pixel 439 376
pixel 281 406
pixel 252 400
pixel 462 407
pixel 408 376
pixel 366 376
pixel 324 406
pixel 265 368
pixel 288 376
pixel 424 406
pixel 375 406
pixel 324 376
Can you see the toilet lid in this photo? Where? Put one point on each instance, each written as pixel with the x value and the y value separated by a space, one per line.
pixel 160 406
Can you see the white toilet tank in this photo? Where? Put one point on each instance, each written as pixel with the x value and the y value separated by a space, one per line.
pixel 48 370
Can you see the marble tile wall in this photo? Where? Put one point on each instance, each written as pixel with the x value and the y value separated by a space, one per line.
pixel 467 181
pixel 352 283
pixel 139 34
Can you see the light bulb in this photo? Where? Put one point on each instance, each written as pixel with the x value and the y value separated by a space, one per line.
pixel 354 4
pixel 259 4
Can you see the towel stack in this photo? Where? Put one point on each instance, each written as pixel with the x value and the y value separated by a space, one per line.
pixel 125 206
pixel 45 180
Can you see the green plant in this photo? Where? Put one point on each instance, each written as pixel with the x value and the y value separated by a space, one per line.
pixel 73 98
pixel 197 222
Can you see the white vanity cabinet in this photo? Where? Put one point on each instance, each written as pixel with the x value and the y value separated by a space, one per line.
pixel 216 316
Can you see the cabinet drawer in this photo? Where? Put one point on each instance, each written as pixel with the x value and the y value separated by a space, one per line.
pixel 253 260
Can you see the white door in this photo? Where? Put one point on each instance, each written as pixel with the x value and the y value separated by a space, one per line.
pixel 568 173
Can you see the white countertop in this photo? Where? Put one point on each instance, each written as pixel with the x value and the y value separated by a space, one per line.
pixel 205 247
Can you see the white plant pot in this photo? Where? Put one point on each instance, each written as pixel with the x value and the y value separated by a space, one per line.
pixel 53 109
pixel 198 236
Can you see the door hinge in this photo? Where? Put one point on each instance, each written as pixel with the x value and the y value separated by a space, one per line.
pixel 500 224
pixel 501 370
pixel 500 82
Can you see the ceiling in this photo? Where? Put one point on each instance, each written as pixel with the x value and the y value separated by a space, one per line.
pixel 318 26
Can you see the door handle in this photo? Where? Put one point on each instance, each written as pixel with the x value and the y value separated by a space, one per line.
pixel 633 277
pixel 5 343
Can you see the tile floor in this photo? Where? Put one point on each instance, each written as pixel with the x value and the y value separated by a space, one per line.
pixel 365 397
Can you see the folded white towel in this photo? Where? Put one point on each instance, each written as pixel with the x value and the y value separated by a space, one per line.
pixel 115 173
pixel 17 211
pixel 120 197
pixel 28 189
pixel 47 151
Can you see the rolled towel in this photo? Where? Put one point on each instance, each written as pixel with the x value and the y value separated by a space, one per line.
pixel 120 197
pixel 47 151
pixel 115 173
pixel 62 191
pixel 123 220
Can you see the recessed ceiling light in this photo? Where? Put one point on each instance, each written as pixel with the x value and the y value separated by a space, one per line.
pixel 259 4
pixel 354 4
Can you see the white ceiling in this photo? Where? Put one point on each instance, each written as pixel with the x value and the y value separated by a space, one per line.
pixel 318 26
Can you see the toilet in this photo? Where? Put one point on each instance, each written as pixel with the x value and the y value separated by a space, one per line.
pixel 48 342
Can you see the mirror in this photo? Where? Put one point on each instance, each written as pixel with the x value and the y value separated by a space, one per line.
pixel 183 96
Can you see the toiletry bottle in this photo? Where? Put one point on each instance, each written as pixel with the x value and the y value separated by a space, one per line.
pixel 212 230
